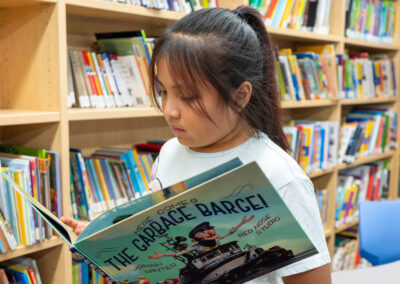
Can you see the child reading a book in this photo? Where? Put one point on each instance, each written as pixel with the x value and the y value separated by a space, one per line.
pixel 215 72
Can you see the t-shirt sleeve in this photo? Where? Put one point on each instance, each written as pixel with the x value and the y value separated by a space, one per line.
pixel 299 196
pixel 155 183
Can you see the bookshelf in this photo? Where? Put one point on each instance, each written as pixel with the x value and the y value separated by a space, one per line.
pixel 34 35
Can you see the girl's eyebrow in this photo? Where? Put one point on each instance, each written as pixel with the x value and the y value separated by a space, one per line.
pixel 175 86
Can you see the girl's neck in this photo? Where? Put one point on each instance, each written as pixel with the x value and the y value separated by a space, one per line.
pixel 239 134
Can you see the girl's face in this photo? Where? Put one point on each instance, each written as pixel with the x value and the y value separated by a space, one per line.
pixel 224 131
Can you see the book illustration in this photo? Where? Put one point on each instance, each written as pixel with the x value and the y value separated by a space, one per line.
pixel 238 225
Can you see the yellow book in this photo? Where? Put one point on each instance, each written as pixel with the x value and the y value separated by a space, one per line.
pixel 147 165
pixel 285 52
pixel 109 203
pixel 300 15
pixel 296 71
pixel 140 168
pixel 368 131
pixel 378 74
pixel 359 79
pixel 22 216
pixel 355 188
pixel 307 148
pixel 345 201
pixel 294 13
pixel 286 14
pixel 320 49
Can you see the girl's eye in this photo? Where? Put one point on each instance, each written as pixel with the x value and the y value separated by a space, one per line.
pixel 163 92
pixel 187 99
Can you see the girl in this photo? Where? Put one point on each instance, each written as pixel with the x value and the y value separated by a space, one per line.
pixel 215 73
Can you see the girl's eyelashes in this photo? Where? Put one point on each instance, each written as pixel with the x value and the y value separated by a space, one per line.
pixel 187 98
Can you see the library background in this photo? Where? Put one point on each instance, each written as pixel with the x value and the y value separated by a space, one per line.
pixel 69 118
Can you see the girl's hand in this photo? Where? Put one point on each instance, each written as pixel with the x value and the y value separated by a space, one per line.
pixel 76 226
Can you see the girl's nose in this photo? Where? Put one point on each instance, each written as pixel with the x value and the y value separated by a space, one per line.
pixel 171 109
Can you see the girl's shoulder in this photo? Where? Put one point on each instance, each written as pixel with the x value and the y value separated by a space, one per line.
pixel 277 164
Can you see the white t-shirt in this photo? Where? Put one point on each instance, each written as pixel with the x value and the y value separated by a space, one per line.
pixel 176 163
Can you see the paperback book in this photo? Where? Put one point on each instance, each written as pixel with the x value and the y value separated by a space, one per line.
pixel 226 225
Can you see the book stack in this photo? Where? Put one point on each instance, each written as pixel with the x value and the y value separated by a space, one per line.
pixel 367 182
pixel 183 6
pixel 307 74
pixel 314 144
pixel 82 274
pixel 36 171
pixel 371 20
pixel 322 196
pixel 346 255
pixel 110 177
pixel 367 131
pixel 117 76
pixel 366 76
pixel 295 14
pixel 21 270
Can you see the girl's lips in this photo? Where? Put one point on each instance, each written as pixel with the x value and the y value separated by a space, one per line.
pixel 177 130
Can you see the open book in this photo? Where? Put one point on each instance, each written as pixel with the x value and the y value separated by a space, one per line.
pixel 227 225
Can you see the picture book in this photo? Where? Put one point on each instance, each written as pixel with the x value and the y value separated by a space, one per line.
pixel 226 225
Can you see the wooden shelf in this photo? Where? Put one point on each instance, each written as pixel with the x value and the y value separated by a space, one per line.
pixel 307 103
pixel 301 35
pixel 111 113
pixel 343 227
pixel 53 242
pixel 365 160
pixel 318 173
pixel 367 101
pixel 21 3
pixel 370 45
pixel 121 12
pixel 18 117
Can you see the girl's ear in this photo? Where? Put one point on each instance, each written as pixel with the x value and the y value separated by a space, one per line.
pixel 243 93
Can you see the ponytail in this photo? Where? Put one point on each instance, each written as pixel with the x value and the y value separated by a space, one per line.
pixel 226 48
pixel 269 120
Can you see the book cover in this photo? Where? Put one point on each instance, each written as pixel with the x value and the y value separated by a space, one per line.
pixel 228 224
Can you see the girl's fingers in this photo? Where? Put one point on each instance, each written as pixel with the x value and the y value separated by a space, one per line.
pixel 71 222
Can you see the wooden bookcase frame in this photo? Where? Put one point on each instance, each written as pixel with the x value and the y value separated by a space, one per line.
pixel 34 37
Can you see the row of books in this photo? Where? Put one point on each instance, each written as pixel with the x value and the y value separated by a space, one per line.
pixel 346 255
pixel 366 76
pixel 21 270
pixel 116 76
pixel 367 131
pixel 322 196
pixel 82 274
pixel 371 20
pixel 308 15
pixel 305 74
pixel 316 72
pixel 366 182
pixel 314 144
pixel 36 171
pixel 110 177
pixel 183 6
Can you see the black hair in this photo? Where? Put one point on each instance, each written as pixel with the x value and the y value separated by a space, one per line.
pixel 225 48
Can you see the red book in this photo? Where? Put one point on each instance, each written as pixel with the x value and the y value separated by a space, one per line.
pixel 371 179
pixel 32 275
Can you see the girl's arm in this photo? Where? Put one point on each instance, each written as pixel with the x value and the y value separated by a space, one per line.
pixel 320 275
